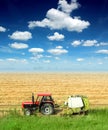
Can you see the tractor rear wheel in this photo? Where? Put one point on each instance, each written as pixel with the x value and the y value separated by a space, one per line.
pixel 47 109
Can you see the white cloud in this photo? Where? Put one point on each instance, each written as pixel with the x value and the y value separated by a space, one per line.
pixel 48 56
pixel 60 19
pixel 23 61
pixel 46 61
pixel 90 43
pixel 67 8
pixel 80 59
pixel 103 43
pixel 18 35
pixel 102 51
pixel 2 29
pixel 76 43
pixel 18 45
pixel 37 56
pixel 100 63
pixel 57 58
pixel 59 47
pixel 12 60
pixel 58 51
pixel 56 37
pixel 36 50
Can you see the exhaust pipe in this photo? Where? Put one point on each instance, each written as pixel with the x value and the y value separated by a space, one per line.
pixel 33 98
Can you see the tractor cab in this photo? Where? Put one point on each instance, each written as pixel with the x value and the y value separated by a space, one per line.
pixel 43 98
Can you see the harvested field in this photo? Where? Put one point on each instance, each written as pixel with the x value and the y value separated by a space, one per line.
pixel 17 87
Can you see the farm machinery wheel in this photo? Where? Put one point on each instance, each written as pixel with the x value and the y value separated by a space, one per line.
pixel 47 109
pixel 27 112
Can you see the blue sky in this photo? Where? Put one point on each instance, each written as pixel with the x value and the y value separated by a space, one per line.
pixel 53 35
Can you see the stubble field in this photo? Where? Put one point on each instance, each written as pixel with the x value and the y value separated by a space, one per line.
pixel 18 87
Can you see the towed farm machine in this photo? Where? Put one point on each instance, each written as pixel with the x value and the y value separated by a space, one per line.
pixel 76 104
pixel 45 104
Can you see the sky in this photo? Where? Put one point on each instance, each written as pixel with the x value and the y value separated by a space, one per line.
pixel 53 35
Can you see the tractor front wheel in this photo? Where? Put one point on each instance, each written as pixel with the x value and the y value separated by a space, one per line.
pixel 47 109
pixel 27 112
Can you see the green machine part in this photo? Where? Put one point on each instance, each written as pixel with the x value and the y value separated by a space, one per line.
pixel 86 103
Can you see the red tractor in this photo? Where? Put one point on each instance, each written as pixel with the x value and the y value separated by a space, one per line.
pixel 44 103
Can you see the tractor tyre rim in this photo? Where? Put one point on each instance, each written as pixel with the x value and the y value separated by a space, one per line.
pixel 47 110
pixel 27 113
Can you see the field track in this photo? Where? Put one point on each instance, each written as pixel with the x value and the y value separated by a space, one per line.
pixel 17 87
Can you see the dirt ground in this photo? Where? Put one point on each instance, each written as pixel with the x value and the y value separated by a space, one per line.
pixel 18 87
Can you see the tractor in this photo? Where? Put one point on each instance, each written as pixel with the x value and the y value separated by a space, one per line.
pixel 44 103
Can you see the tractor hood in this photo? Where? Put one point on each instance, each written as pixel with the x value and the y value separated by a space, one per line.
pixel 26 103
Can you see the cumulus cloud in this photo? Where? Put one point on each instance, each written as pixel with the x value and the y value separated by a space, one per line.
pixel 76 43
pixel 59 47
pixel 56 37
pixel 2 29
pixel 60 18
pixel 80 59
pixel 102 51
pixel 37 53
pixel 103 44
pixel 67 8
pixel 36 50
pixel 90 43
pixel 58 51
pixel 16 45
pixel 18 35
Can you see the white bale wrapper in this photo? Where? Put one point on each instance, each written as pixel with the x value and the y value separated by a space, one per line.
pixel 75 102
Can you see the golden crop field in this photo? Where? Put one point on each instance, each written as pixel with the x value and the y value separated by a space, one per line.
pixel 18 87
